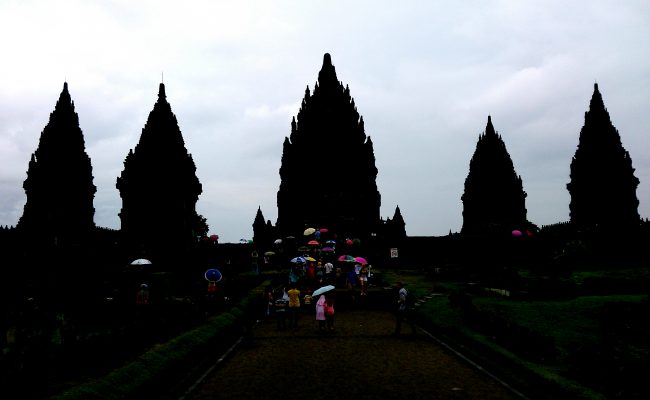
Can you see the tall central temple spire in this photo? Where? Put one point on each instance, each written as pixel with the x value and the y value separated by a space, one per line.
pixel 328 174
pixel 159 187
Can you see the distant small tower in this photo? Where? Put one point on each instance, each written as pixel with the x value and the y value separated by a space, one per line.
pixel 159 187
pixel 603 185
pixel 328 173
pixel 396 227
pixel 261 231
pixel 494 200
pixel 59 185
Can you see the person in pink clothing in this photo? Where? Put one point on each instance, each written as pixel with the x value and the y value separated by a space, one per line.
pixel 320 312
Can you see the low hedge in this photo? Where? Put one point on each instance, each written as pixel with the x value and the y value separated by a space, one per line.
pixel 167 368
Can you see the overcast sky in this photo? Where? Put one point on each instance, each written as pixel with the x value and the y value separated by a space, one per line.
pixel 424 75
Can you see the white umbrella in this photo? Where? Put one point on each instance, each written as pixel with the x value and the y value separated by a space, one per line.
pixel 140 261
pixel 322 290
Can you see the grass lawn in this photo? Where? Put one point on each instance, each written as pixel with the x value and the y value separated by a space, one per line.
pixel 584 322
pixel 575 322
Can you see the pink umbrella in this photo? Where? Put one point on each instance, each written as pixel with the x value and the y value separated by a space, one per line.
pixel 361 260
pixel 516 233
pixel 346 258
pixel 323 230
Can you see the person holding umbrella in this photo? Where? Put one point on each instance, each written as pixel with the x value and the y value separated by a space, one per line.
pixel 320 312
pixel 323 307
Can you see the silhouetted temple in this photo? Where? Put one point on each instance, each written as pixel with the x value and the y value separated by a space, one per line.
pixel 494 198
pixel 263 231
pixel 59 185
pixel 328 174
pixel 159 187
pixel 395 228
pixel 603 185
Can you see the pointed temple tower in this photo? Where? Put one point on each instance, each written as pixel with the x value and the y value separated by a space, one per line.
pixel 262 231
pixel 395 228
pixel 159 187
pixel 328 174
pixel 59 185
pixel 494 199
pixel 603 185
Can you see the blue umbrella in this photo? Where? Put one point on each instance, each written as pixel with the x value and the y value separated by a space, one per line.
pixel 298 260
pixel 213 274
pixel 323 289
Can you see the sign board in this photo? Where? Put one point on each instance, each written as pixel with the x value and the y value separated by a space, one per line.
pixel 393 253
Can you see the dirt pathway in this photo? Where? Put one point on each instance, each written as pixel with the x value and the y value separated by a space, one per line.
pixel 360 360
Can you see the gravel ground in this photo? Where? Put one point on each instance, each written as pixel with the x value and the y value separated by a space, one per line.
pixel 360 360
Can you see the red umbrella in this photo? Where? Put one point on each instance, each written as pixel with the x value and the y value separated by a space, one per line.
pixel 323 230
pixel 313 242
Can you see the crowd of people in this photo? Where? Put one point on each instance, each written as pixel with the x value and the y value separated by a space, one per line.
pixel 320 269
pixel 290 306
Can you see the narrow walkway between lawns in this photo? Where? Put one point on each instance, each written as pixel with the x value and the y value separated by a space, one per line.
pixel 360 360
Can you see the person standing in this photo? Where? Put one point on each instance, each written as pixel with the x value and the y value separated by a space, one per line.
pixel 403 311
pixel 281 310
pixel 363 279
pixel 329 267
pixel 329 313
pixel 351 277
pixel 142 296
pixel 320 273
pixel 294 306
pixel 320 312
pixel 268 301
pixel 306 302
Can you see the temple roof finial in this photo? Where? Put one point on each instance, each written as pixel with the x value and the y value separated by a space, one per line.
pixel 327 60
pixel 327 74
pixel 161 91
pixel 596 99
pixel 489 128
